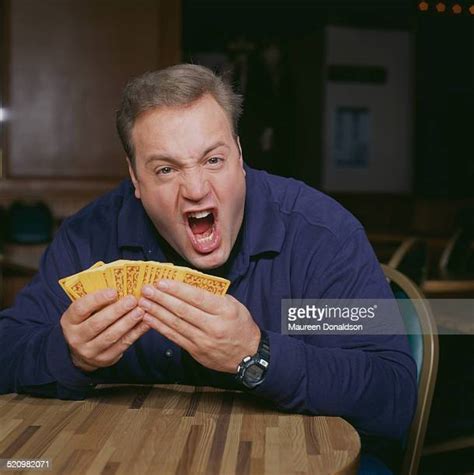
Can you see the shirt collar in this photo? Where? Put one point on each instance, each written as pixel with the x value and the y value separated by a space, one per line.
pixel 262 229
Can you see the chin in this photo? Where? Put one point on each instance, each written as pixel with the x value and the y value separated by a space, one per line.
pixel 209 261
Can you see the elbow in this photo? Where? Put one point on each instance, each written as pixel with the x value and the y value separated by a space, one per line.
pixel 402 407
pixel 405 410
pixel 390 410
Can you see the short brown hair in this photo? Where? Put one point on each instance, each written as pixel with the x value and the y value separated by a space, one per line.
pixel 177 85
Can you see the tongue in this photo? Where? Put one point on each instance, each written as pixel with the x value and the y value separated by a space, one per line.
pixel 201 225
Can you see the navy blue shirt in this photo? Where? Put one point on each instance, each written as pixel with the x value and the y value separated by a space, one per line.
pixel 295 242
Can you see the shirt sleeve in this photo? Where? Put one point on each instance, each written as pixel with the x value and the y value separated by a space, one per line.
pixel 34 356
pixel 368 379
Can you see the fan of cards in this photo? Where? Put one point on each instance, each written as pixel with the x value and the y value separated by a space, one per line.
pixel 128 278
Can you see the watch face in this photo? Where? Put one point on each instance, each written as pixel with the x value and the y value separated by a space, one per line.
pixel 253 373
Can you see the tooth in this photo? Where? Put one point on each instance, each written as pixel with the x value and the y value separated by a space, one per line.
pixel 199 214
pixel 207 238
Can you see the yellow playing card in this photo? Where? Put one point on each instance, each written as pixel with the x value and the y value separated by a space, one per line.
pixel 97 264
pixel 94 280
pixel 134 271
pixel 164 271
pixel 76 288
pixel 73 284
pixel 215 285
pixel 62 283
pixel 148 274
pixel 128 277
pixel 116 275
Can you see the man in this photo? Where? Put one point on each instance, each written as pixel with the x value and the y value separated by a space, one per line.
pixel 192 201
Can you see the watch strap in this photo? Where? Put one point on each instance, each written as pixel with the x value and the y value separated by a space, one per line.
pixel 264 346
pixel 260 358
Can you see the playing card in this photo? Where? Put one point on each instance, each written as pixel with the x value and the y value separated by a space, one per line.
pixel 116 275
pixel 97 264
pixel 128 277
pixel 76 287
pixel 73 285
pixel 165 271
pixel 148 274
pixel 215 285
pixel 134 271
pixel 94 280
pixel 69 293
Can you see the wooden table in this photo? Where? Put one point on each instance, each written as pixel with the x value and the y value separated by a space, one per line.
pixel 171 429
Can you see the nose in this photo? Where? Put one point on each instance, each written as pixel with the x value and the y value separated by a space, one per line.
pixel 195 186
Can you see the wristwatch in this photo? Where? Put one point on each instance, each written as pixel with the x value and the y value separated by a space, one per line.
pixel 252 369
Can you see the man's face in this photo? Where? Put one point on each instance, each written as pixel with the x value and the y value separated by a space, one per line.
pixel 189 176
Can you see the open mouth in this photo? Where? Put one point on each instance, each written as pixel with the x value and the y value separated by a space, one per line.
pixel 203 230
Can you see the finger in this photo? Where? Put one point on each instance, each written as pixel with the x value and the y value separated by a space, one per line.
pixel 196 297
pixel 170 319
pixel 84 307
pixel 98 322
pixel 116 331
pixel 115 352
pixel 169 333
pixel 194 316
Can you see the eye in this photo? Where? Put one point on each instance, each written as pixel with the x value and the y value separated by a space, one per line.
pixel 214 161
pixel 164 171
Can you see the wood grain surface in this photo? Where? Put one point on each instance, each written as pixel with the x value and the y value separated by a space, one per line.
pixel 173 429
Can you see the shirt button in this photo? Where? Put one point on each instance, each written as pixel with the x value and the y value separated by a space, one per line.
pixel 169 353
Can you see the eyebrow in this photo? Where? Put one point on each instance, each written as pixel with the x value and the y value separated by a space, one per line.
pixel 175 161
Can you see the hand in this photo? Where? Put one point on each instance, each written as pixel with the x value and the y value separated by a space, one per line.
pixel 98 328
pixel 217 331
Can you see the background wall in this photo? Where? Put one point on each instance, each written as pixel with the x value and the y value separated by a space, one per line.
pixel 388 101
pixel 68 64
pixel 64 62
pixel 63 66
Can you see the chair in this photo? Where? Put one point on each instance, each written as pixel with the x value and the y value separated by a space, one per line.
pixel 423 341
pixel 457 258
pixel 411 258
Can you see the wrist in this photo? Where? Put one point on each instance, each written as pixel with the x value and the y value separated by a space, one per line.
pixel 250 348
pixel 254 342
pixel 253 367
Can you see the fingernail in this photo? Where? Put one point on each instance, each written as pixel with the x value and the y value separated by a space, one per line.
pixel 147 291
pixel 144 303
pixel 137 313
pixel 162 284
pixel 111 293
pixel 130 301
pixel 147 318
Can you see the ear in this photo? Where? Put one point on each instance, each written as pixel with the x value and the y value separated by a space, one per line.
pixel 241 158
pixel 133 177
